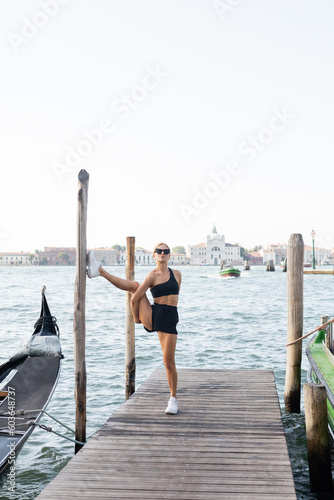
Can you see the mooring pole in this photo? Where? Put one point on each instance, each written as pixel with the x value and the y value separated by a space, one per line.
pixel 79 320
pixel 323 320
pixel 130 359
pixel 285 265
pixel 295 259
pixel 318 444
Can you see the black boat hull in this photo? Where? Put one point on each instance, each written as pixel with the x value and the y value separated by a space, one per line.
pixel 27 383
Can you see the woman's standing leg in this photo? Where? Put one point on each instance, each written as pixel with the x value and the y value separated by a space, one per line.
pixel 168 346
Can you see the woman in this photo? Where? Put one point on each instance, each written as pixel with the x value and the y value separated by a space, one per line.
pixel 162 316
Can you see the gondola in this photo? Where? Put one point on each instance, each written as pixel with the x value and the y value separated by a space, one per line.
pixel 27 382
pixel 321 358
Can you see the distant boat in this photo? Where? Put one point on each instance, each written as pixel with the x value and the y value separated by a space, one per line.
pixel 27 382
pixel 230 271
pixel 307 265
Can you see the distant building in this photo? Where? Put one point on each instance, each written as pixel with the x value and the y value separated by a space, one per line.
pixel 268 255
pixel 278 252
pixel 232 254
pixel 57 256
pixel 197 254
pixel 142 257
pixel 214 251
pixel 178 259
pixel 66 256
pixel 255 258
pixel 107 256
pixel 215 248
pixel 18 259
pixel 331 258
pixel 322 255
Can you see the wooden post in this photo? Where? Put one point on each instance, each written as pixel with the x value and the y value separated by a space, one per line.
pixel 79 323
pixel 295 257
pixel 130 359
pixel 246 265
pixel 324 320
pixel 285 265
pixel 270 265
pixel 318 445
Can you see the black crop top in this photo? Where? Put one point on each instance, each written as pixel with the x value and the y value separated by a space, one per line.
pixel 170 287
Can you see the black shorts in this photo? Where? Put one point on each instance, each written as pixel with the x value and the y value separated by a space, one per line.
pixel 164 319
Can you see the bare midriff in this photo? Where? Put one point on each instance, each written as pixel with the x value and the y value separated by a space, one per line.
pixel 167 300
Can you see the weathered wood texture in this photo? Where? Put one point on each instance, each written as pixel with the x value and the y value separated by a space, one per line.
pixel 130 348
pixel 320 271
pixel 318 443
pixel 227 441
pixel 270 265
pixel 292 389
pixel 285 265
pixel 79 321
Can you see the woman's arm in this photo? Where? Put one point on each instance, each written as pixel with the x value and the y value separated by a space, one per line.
pixel 177 275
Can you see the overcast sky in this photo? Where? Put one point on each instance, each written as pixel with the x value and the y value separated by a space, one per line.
pixel 185 113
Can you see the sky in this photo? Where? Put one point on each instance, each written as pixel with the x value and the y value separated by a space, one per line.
pixel 185 114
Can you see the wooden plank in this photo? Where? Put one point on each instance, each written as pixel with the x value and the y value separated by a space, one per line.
pixel 181 495
pixel 164 484
pixel 319 271
pixel 206 450
pixel 227 441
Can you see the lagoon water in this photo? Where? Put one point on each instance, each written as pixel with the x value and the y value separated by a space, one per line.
pixel 224 323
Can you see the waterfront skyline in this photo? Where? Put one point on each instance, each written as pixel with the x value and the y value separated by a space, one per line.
pixel 177 131
pixel 146 248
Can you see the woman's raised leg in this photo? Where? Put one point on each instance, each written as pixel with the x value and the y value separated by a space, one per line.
pixel 121 283
pixel 144 306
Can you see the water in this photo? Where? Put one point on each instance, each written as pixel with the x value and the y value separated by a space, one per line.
pixel 224 323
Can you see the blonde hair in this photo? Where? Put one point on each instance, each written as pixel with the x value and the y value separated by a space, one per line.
pixel 162 243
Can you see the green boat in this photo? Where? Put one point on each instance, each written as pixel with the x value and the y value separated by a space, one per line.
pixel 321 359
pixel 230 271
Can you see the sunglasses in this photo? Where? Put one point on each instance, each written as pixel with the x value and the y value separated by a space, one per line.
pixel 159 251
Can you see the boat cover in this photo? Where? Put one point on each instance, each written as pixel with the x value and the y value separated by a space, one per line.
pixel 37 346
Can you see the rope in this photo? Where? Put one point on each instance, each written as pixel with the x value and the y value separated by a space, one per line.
pixel 25 412
pixel 16 425
pixel 42 426
pixel 308 334
pixel 49 429
pixel 18 412
pixel 49 320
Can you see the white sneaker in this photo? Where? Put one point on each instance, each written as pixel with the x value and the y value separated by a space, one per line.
pixel 172 406
pixel 92 265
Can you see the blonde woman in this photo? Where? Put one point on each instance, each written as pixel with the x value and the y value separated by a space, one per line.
pixel 161 316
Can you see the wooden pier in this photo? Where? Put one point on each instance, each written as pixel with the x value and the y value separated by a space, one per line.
pixel 226 442
pixel 320 271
